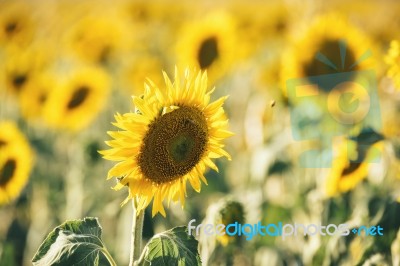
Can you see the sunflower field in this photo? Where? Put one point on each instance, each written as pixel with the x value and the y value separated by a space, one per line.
pixel 164 132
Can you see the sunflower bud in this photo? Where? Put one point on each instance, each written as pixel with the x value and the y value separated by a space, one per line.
pixel 230 212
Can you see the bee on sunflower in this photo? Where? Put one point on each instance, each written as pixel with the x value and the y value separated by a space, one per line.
pixel 170 139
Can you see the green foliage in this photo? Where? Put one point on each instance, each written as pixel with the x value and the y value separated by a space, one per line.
pixel 390 224
pixel 76 242
pixel 172 247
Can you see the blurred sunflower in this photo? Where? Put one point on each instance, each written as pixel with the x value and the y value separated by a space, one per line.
pixel 33 98
pixel 229 213
pixel 16 159
pixel 209 44
pixel 98 38
pixel 154 23
pixel 392 60
pixel 77 99
pixel 351 163
pixel 390 118
pixel 21 65
pixel 170 139
pixel 144 13
pixel 330 45
pixel 135 70
pixel 384 26
pixel 261 22
pixel 17 25
pixel 153 26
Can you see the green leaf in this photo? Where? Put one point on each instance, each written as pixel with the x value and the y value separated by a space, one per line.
pixel 172 247
pixel 76 242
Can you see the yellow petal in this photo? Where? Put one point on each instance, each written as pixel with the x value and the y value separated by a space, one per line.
pixel 210 164
pixel 195 182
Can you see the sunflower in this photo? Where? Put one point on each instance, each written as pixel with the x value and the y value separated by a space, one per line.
pixel 21 65
pixel 262 22
pixel 98 38
pixel 171 138
pixel 384 25
pixel 146 13
pixel 33 98
pixel 209 44
pixel 392 60
pixel 229 213
pixel 17 24
pixel 136 69
pixel 77 99
pixel 330 45
pixel 351 164
pixel 15 162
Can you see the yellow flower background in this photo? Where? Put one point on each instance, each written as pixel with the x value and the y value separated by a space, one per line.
pixel 69 69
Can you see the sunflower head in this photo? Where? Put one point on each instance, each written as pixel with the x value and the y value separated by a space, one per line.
pixel 77 98
pixel 230 212
pixel 139 67
pixel 330 45
pixel 15 162
pixel 17 26
pixel 170 139
pixel 351 163
pixel 33 98
pixel 98 38
pixel 21 66
pixel 209 44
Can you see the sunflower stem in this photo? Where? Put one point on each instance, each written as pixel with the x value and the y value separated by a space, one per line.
pixel 109 257
pixel 137 229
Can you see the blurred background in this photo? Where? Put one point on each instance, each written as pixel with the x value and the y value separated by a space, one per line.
pixel 67 66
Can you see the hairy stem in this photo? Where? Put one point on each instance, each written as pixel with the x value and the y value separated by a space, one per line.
pixel 137 229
